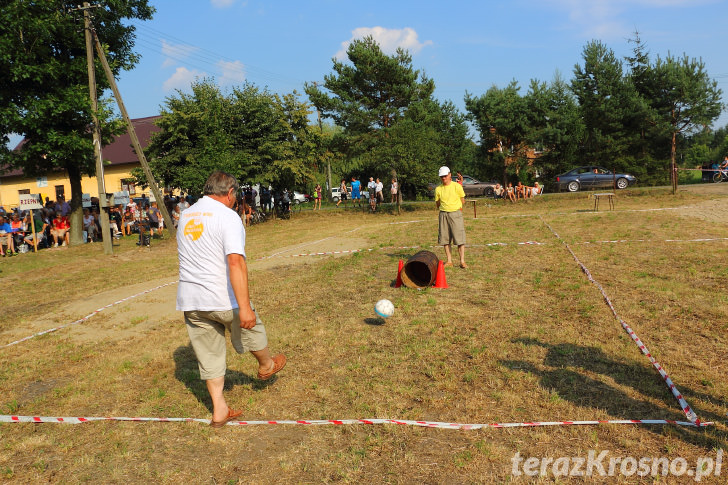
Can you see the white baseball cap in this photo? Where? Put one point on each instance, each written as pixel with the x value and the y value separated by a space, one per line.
pixel 443 171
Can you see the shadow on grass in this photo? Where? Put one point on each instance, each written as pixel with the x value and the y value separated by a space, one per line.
pixel 564 365
pixel 376 322
pixel 187 372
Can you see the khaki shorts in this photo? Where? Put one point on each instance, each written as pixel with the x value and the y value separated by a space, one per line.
pixel 451 229
pixel 207 335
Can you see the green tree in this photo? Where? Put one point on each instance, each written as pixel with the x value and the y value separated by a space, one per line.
pixel 685 99
pixel 44 89
pixel 251 133
pixel 555 126
pixel 607 101
pixel 502 119
pixel 370 97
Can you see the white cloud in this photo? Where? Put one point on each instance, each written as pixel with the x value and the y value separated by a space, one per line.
pixel 182 79
pixel 232 72
pixel 176 52
pixel 222 3
pixel 388 39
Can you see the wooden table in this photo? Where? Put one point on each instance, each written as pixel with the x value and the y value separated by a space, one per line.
pixel 608 195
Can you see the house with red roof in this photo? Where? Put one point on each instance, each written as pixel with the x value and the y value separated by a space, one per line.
pixel 119 160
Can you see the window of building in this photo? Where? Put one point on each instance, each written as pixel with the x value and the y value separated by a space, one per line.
pixel 60 192
pixel 128 185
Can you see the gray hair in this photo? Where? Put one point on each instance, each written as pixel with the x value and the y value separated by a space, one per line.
pixel 219 183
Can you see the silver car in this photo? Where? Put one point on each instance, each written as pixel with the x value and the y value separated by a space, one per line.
pixel 593 177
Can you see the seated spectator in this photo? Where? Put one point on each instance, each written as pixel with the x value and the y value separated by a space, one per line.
pixel 115 218
pixel 510 193
pixel 89 225
pixel 132 206
pixel 6 237
pixel 536 189
pixel 18 226
pixel 127 222
pixel 520 190
pixel 37 229
pixel 97 221
pixel 498 192
pixel 246 212
pixel 60 230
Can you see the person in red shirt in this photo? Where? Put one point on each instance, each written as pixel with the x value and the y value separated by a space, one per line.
pixel 59 229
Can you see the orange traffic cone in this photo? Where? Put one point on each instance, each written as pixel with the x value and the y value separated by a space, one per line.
pixel 440 281
pixel 399 274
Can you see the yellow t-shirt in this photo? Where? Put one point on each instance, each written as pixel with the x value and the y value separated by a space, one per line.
pixel 450 196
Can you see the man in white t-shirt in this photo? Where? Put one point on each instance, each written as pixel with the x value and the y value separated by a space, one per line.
pixel 213 291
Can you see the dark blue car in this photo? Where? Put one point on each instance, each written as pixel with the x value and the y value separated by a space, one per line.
pixel 593 177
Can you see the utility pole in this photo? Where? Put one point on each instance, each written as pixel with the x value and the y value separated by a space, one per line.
pixel 103 201
pixel 135 140
pixel 328 162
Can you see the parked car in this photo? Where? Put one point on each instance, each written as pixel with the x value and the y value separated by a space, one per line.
pixel 299 198
pixel 593 177
pixel 336 194
pixel 471 186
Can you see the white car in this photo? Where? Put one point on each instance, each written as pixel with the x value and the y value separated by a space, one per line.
pixel 336 194
pixel 299 198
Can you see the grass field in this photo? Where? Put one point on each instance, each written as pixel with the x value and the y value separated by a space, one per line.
pixel 520 336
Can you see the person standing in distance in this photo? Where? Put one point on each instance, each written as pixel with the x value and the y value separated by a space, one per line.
pixel 449 199
pixel 213 291
pixel 355 187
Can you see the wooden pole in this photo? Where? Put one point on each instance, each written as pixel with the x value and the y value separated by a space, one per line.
pixel 35 235
pixel 135 140
pixel 103 201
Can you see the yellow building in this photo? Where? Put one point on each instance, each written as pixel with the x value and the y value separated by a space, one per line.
pixel 119 160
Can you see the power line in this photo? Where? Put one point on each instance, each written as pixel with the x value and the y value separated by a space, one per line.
pixel 194 55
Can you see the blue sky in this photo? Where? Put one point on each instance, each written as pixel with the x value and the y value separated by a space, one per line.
pixel 462 45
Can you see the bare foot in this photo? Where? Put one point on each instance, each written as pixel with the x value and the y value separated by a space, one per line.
pixel 448 264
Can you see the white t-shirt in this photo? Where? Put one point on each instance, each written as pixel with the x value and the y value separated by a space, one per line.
pixel 380 186
pixel 207 232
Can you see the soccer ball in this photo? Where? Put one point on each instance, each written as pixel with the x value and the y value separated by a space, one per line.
pixel 384 308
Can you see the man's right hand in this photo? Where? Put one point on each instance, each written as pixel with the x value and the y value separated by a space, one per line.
pixel 247 317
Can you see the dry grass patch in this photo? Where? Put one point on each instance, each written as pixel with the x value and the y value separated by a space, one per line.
pixel 520 336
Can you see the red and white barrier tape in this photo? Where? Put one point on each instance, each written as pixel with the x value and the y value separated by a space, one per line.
pixel 425 424
pixel 80 320
pixel 351 251
pixel 689 413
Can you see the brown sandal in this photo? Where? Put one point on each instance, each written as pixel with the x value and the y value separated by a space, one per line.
pixel 279 362
pixel 232 414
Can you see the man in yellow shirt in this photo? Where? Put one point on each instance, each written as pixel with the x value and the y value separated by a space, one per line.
pixel 449 199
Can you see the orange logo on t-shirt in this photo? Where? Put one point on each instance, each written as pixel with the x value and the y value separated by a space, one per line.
pixel 194 229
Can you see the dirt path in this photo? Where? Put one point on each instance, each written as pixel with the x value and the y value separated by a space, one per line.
pixel 157 307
